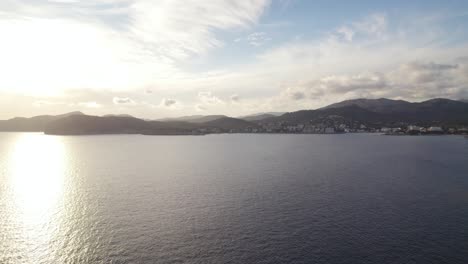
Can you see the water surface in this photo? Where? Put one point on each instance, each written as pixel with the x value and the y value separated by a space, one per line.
pixel 233 199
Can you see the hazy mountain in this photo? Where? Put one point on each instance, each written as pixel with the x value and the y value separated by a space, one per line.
pixel 199 119
pixel 89 125
pixel 193 118
pixel 261 116
pixel 438 110
pixel 379 112
pixel 381 105
pixel 351 112
pixel 118 115
pixel 32 124
pixel 228 123
pixel 77 125
pixel 384 105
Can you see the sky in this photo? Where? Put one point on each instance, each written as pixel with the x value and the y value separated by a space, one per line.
pixel 167 58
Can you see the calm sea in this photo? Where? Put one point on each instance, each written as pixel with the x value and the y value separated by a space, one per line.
pixel 233 199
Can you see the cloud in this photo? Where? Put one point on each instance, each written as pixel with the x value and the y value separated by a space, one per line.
pixel 422 73
pixel 208 101
pixel 258 39
pixel 297 95
pixel 90 104
pixel 372 26
pixel 181 30
pixel 235 98
pixel 207 98
pixel 375 24
pixel 347 32
pixel 123 101
pixel 414 81
pixel 40 103
pixel 64 1
pixel 170 104
pixel 200 108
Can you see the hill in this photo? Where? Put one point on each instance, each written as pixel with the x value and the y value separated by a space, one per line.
pixel 118 115
pixel 93 125
pixel 384 112
pixel 260 116
pixel 381 105
pixel 229 123
pixel 193 118
pixel 32 124
pixel 346 114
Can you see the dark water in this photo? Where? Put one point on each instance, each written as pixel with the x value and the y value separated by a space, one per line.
pixel 233 199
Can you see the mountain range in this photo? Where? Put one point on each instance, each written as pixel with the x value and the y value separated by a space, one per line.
pixel 385 112
pixel 32 124
pixel 193 118
pixel 368 112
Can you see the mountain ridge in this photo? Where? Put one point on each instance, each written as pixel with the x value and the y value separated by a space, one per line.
pixel 193 118
pixel 375 112
pixel 350 113
pixel 32 124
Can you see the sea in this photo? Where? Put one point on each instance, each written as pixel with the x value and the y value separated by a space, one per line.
pixel 233 198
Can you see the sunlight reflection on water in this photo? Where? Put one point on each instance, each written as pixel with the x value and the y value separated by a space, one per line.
pixel 36 171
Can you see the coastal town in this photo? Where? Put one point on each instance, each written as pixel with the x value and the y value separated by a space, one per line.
pixel 339 128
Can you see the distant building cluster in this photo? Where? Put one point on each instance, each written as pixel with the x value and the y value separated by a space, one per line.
pixel 331 126
pixel 282 127
pixel 419 130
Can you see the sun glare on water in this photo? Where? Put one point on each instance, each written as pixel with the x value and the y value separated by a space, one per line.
pixel 37 173
pixel 37 178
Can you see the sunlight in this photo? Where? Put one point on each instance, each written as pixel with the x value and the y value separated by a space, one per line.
pixel 55 55
pixel 36 175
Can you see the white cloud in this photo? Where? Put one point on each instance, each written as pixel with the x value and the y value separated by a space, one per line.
pixel 200 108
pixel 170 104
pixel 64 1
pixel 375 24
pixel 123 101
pixel 91 104
pixel 347 32
pixel 40 103
pixel 180 30
pixel 235 98
pixel 208 98
pixel 258 39
pixel 413 81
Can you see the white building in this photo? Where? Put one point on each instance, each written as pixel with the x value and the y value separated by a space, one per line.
pixel 435 130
